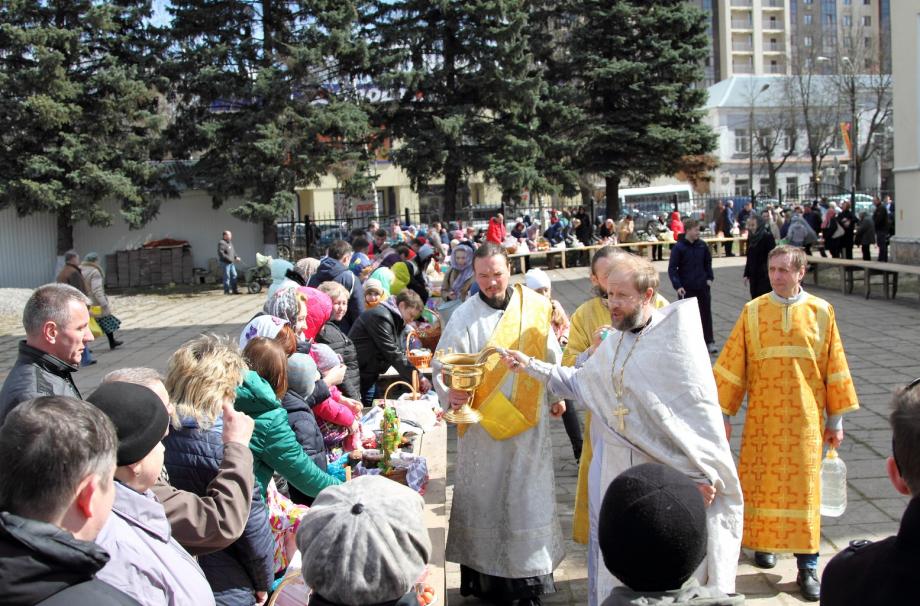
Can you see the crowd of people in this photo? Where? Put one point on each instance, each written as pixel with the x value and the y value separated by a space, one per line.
pixel 166 488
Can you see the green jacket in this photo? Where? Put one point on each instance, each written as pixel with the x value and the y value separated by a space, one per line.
pixel 274 446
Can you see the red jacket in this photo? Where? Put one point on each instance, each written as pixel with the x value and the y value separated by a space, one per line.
pixel 497 231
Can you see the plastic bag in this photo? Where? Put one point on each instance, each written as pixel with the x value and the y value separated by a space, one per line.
pixel 94 327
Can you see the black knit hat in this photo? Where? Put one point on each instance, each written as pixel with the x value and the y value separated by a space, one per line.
pixel 139 417
pixel 652 528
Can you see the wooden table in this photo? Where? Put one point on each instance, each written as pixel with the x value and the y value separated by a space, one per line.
pixel 848 269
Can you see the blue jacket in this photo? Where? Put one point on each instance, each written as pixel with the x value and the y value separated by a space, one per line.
pixel 193 459
pixel 690 265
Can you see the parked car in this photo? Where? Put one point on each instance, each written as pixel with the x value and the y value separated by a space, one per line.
pixel 863 202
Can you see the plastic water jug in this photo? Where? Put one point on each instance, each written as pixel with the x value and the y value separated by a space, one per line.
pixel 833 485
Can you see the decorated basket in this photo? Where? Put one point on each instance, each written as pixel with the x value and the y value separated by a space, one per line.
pixel 431 334
pixel 420 358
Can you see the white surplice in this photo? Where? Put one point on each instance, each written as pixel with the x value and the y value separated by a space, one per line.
pixel 503 515
pixel 674 419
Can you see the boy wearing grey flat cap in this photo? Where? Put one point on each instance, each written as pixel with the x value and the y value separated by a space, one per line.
pixel 381 522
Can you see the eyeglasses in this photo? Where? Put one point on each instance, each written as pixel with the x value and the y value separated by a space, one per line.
pixel 619 299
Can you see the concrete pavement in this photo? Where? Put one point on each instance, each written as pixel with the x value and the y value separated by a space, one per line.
pixel 879 336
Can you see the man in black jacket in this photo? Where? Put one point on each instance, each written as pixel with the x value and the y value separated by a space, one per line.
pixel 690 271
pixel 378 341
pixel 334 267
pixel 867 573
pixel 56 321
pixel 50 514
pixel 882 224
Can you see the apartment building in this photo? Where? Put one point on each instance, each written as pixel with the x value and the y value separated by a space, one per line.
pixel 780 37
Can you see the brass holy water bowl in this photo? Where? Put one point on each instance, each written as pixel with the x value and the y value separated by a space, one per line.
pixel 464 372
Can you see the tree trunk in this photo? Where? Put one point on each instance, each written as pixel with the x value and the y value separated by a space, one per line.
pixel 64 231
pixel 451 189
pixel 270 237
pixel 612 186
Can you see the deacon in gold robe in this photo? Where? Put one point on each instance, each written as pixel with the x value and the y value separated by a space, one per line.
pixel 504 531
pixel 589 320
pixel 786 354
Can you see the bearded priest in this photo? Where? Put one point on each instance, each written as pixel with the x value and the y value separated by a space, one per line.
pixel 650 389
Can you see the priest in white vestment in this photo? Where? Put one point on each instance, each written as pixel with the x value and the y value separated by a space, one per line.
pixel 504 530
pixel 650 386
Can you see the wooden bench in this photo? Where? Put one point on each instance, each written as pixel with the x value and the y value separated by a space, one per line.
pixel 557 257
pixel 848 269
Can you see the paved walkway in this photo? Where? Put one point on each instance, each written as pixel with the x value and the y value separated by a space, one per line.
pixel 879 337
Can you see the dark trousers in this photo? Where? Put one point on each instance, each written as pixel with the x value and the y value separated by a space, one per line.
pixel 882 246
pixel 867 256
pixel 572 428
pixel 728 248
pixel 704 300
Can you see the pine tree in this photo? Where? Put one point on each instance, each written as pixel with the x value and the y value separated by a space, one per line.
pixel 463 92
pixel 633 69
pixel 78 111
pixel 265 101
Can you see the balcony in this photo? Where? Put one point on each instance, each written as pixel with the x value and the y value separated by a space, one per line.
pixel 742 47
pixel 742 24
pixel 775 69
pixel 773 26
pixel 742 3
pixel 774 47
pixel 772 5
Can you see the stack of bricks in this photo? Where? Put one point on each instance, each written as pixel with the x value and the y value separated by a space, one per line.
pixel 149 267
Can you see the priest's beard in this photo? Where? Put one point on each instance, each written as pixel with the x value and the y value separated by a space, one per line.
pixel 630 321
pixel 498 302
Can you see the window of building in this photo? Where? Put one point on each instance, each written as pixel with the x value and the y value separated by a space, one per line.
pixel 806 1
pixel 847 20
pixel 847 2
pixel 787 140
pixel 867 20
pixel 765 185
pixel 792 185
pixel 867 2
pixel 807 19
pixel 806 41
pixel 829 19
pixel 742 188
pixel 847 42
pixel 742 141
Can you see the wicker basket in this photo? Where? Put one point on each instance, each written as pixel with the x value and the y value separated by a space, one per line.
pixel 418 359
pixel 430 336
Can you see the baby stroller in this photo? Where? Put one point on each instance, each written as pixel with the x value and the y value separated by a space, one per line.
pixel 260 275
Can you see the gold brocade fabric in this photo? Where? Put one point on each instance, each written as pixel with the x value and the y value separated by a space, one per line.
pixel 589 316
pixel 789 360
pixel 524 326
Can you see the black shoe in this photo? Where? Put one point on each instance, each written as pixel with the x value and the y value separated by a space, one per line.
pixel 116 343
pixel 808 583
pixel 530 602
pixel 729 254
pixel 762 559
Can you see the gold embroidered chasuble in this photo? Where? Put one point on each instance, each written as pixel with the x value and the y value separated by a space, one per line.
pixel 789 359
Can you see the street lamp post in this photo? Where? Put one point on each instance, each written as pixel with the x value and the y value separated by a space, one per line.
pixel 751 141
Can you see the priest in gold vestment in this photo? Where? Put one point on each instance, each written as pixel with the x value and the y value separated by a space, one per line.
pixel 504 529
pixel 785 352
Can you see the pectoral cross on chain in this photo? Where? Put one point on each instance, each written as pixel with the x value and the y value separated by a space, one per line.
pixel 621 412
